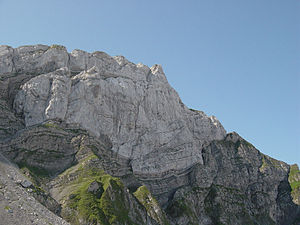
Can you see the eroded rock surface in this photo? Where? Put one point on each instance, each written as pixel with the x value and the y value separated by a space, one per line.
pixel 93 130
pixel 236 185
pixel 132 104
pixel 17 205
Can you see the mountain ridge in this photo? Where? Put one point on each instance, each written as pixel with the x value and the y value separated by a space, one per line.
pixel 63 109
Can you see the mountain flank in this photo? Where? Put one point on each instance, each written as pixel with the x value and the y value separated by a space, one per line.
pixel 86 138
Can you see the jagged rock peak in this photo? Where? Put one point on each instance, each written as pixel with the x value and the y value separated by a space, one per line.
pixel 57 56
pixel 132 104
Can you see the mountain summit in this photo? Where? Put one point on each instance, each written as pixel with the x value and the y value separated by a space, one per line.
pixel 95 139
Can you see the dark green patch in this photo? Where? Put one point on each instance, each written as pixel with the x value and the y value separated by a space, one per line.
pixel 294 180
pixel 34 172
pixel 109 208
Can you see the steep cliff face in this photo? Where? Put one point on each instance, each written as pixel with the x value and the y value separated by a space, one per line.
pixel 236 185
pixel 100 132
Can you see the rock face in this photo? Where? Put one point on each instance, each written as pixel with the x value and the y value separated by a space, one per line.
pixel 131 104
pixel 60 108
pixel 236 185
pixel 17 205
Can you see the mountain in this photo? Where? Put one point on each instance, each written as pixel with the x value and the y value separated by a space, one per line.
pixel 86 138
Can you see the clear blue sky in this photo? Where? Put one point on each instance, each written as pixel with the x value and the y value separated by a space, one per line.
pixel 237 60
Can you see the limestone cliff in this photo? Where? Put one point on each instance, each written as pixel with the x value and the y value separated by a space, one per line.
pixel 110 142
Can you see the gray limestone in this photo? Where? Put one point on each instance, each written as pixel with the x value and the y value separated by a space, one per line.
pixel 59 108
pixel 17 204
pixel 132 104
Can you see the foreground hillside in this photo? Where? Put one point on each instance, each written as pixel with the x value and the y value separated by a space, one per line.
pixel 95 139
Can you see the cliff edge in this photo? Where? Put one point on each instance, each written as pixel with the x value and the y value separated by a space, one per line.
pixel 106 141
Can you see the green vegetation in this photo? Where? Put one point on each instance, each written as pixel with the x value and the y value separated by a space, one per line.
pixel 294 180
pixel 151 205
pixel 108 208
pixel 60 47
pixel 295 185
pixel 7 207
pixel 86 204
pixel 145 197
pixel 36 176
pixel 196 111
pixel 264 164
pixel 294 173
pixel 269 162
pixel 51 125
pixel 34 172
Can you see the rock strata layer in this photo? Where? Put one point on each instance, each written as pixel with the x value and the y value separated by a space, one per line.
pixel 97 132
pixel 131 104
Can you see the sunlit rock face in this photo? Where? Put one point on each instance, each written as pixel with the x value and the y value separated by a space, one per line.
pixel 76 120
pixel 132 104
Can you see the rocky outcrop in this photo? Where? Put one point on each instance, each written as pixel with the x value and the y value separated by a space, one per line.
pixel 88 195
pixel 101 135
pixel 17 204
pixel 133 105
pixel 236 185
pixel 142 116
